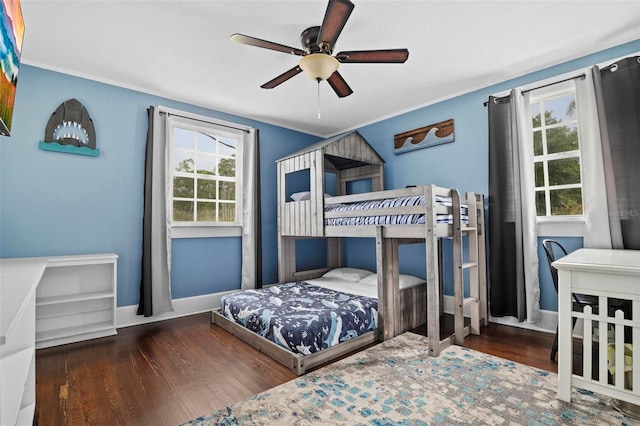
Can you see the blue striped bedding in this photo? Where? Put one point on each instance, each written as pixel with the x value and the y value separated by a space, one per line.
pixel 416 200
pixel 301 317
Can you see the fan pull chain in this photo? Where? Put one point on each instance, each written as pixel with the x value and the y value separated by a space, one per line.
pixel 318 99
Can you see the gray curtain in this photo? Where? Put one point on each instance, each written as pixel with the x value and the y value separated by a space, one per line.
pixel 258 212
pixel 617 88
pixel 507 287
pixel 155 281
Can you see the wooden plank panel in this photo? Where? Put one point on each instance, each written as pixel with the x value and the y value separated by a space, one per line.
pixel 295 223
pixel 388 279
pixel 310 274
pixel 317 182
pixel 334 252
pixel 413 306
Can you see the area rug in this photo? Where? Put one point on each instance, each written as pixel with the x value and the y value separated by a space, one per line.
pixel 397 383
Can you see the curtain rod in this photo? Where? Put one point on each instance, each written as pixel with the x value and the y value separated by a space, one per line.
pixel 581 76
pixel 204 121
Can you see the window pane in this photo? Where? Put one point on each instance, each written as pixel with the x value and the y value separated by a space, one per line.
pixel 564 172
pixel 183 211
pixel 206 164
pixel 206 212
pixel 183 161
pixel 562 139
pixel 207 189
pixel 183 138
pixel 227 191
pixel 560 109
pixel 535 115
pixel 537 142
pixel 541 209
pixel 183 187
pixel 227 146
pixel 206 143
pixel 227 167
pixel 539 170
pixel 227 212
pixel 566 202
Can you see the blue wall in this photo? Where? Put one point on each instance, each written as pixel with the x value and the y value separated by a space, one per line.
pixel 462 164
pixel 59 204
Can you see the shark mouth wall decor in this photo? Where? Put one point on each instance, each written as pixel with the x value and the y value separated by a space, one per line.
pixel 70 130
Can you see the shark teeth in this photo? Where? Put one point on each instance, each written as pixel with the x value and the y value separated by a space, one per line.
pixel 75 127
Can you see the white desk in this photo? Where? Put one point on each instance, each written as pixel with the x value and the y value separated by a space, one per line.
pixel 18 281
pixel 604 273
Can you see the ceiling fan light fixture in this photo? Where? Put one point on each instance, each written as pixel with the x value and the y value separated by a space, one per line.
pixel 319 66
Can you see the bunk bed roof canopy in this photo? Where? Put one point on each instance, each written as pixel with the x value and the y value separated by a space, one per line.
pixel 344 151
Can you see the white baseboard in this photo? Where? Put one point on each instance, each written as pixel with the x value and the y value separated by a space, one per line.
pixel 547 324
pixel 127 316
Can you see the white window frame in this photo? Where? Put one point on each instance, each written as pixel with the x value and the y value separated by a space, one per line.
pixel 567 225
pixel 208 125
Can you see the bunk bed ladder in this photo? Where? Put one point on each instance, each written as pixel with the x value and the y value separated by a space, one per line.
pixel 472 264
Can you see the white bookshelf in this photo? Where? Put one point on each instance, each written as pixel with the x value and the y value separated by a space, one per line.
pixel 76 299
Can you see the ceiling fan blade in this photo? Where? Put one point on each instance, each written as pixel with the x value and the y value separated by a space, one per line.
pixel 391 56
pixel 282 78
pixel 338 85
pixel 335 17
pixel 252 41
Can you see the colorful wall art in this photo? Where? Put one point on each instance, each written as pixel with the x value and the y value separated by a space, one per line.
pixel 424 137
pixel 11 34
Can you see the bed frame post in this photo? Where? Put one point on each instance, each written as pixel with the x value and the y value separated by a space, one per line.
pixel 458 285
pixel 432 274
pixel 482 260
pixel 334 252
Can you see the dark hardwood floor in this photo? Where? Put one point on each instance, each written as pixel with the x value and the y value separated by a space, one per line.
pixel 169 372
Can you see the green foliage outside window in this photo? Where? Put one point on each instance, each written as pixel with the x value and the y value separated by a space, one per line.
pixel 560 138
pixel 205 192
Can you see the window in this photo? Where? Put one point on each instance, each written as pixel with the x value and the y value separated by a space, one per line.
pixel 205 164
pixel 556 152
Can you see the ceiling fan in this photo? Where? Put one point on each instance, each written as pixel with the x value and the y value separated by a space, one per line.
pixel 318 43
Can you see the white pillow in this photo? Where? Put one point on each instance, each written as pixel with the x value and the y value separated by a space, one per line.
pixel 405 280
pixel 353 275
pixel 300 196
pixel 410 281
pixel 305 195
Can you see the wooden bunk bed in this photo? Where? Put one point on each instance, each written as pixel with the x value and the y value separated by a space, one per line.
pixel 350 158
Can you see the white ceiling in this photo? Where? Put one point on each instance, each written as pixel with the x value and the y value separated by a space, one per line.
pixel 181 50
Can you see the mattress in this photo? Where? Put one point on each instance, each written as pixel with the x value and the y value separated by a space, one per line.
pixel 402 219
pixel 301 317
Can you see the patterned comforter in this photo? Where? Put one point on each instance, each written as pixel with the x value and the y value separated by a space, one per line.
pixel 301 317
pixel 404 219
